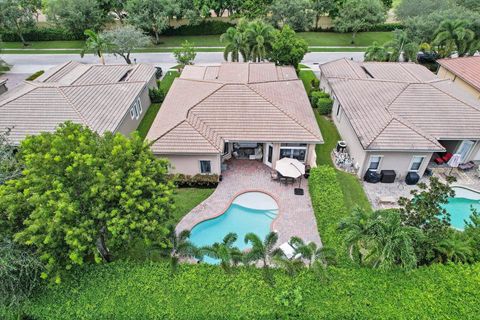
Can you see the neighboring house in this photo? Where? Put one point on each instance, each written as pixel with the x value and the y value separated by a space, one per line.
pixel 254 111
pixel 395 116
pixel 464 72
pixel 3 86
pixel 104 97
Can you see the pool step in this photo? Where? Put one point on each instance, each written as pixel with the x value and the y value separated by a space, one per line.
pixel 271 215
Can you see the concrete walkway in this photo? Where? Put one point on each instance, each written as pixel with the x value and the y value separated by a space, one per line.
pixel 295 216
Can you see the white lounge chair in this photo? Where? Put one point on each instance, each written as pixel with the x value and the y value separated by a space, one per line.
pixel 289 251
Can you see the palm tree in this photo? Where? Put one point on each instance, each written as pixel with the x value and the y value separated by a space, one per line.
pixel 393 244
pixel 228 255
pixel 96 43
pixel 400 48
pixel 313 253
pixel 453 248
pixel 376 53
pixel 261 250
pixel 259 37
pixel 356 227
pixel 454 35
pixel 236 45
pixel 291 266
pixel 181 247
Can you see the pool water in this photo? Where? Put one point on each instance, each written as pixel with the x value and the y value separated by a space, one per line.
pixel 460 207
pixel 249 212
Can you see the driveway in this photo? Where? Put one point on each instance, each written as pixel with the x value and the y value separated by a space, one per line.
pixel 295 216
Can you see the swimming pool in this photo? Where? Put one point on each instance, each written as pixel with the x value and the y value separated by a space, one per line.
pixel 460 206
pixel 249 212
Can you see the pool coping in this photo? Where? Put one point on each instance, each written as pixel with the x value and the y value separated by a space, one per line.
pixel 235 196
pixel 465 187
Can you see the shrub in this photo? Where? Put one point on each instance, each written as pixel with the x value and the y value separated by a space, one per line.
pixel 42 34
pixel 35 75
pixel 315 83
pixel 156 95
pixel 196 181
pixel 387 27
pixel 324 106
pixel 203 28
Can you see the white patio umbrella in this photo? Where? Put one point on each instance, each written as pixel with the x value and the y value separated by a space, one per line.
pixel 289 167
pixel 454 161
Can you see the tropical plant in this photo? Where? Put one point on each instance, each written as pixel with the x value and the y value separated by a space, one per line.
pixel 472 233
pixel 355 228
pixel 313 253
pixel 95 43
pixel 455 36
pixel 287 48
pixel 455 247
pixel 291 266
pixel 376 52
pixel 181 247
pixel 185 55
pixel 358 15
pixel 259 36
pixel 236 45
pixel 83 197
pixel 401 48
pixel 19 273
pixel 224 251
pixel 261 250
pixel 124 39
pixel 10 167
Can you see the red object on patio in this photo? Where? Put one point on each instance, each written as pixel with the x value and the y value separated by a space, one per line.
pixel 439 160
pixel 447 156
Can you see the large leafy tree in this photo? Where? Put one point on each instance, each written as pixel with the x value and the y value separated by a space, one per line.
pixel 253 9
pixel 287 48
pixel 235 44
pixel 455 36
pixel 296 13
pixel 83 197
pixel 152 15
pixel 322 7
pixel 77 16
pixel 412 8
pixel 17 16
pixel 358 15
pixel 115 6
pixel 124 39
pixel 95 43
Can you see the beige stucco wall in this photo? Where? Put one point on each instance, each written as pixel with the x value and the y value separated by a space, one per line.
pixel 190 164
pixel 445 74
pixel 398 161
pixel 128 125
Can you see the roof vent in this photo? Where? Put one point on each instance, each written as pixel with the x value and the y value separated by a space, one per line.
pixel 366 71
pixel 125 76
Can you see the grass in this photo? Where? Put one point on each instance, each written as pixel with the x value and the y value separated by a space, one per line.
pixel 330 39
pixel 307 76
pixel 186 199
pixel 149 117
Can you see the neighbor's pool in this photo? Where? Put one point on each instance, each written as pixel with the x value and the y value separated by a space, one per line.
pixel 249 212
pixel 460 206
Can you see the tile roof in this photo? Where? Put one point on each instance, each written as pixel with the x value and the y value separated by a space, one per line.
pixel 254 102
pixel 466 68
pixel 92 95
pixel 402 106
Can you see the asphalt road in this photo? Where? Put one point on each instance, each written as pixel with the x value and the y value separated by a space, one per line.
pixel 25 64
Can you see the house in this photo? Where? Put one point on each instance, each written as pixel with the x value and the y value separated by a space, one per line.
pixel 396 116
pixel 255 111
pixel 465 72
pixel 3 86
pixel 103 97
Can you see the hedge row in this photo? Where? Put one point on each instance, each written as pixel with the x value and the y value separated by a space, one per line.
pixel 203 28
pixel 41 34
pixel 196 181
pixel 329 207
pixel 131 290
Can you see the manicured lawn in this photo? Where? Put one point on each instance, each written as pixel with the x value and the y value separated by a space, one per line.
pixel 167 80
pixel 330 39
pixel 186 199
pixel 307 76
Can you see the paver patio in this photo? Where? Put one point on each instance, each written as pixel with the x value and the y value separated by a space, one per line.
pixel 295 215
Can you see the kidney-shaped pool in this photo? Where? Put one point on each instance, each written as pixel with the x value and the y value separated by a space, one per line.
pixel 249 212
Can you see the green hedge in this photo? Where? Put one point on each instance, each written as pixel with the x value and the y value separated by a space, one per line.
pixel 203 28
pixel 197 181
pixel 322 101
pixel 329 208
pixel 42 34
pixel 156 95
pixel 129 290
pixel 35 75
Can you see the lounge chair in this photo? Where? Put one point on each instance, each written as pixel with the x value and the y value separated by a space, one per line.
pixel 289 251
pixel 466 166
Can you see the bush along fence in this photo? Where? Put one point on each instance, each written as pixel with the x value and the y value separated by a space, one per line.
pixel 42 34
pixel 196 181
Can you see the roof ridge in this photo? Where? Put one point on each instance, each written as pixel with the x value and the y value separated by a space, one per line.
pixel 281 109
pixel 96 84
pixel 402 65
pixel 57 71
pixel 417 130
pixel 200 133
pixel 73 106
pixel 349 62
pixel 376 80
pixel 34 87
pixel 452 96
pixel 379 133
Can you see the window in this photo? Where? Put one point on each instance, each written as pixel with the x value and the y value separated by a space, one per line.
pixel 136 109
pixel 132 113
pixel 226 148
pixel 270 153
pixel 205 166
pixel 294 150
pixel 416 163
pixel 374 163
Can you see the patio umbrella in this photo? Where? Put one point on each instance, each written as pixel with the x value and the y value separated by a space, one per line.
pixel 454 161
pixel 289 167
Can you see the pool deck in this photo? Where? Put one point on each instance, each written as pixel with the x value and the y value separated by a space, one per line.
pixel 295 216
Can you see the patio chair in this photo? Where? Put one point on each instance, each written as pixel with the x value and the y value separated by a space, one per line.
pixel 289 251
pixel 466 166
pixel 274 175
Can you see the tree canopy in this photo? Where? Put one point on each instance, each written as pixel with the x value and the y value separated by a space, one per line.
pixel 287 48
pixel 297 14
pixel 83 197
pixel 17 16
pixel 185 55
pixel 124 39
